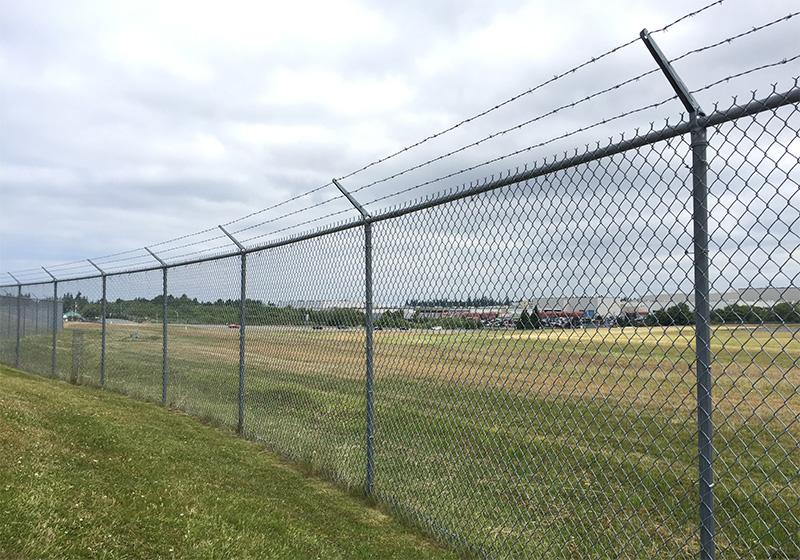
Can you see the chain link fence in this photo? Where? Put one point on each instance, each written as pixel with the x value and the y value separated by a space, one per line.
pixel 598 357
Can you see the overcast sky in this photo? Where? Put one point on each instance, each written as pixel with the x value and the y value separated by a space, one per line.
pixel 128 124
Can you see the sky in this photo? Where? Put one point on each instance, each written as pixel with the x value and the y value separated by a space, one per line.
pixel 126 125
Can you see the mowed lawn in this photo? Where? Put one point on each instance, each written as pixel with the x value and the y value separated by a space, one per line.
pixel 91 474
pixel 550 443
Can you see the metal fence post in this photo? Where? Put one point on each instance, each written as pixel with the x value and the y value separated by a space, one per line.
pixel 164 335
pixel 55 317
pixel 705 449
pixel 19 314
pixel 370 381
pixel 369 358
pixel 103 336
pixel 19 323
pixel 705 404
pixel 242 321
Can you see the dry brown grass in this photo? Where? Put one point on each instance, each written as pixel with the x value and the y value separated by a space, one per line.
pixel 756 372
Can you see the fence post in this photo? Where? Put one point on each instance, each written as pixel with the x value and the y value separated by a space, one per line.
pixel 242 319
pixel 103 339
pixel 370 381
pixel 164 268
pixel 19 314
pixel 55 317
pixel 705 426
pixel 19 323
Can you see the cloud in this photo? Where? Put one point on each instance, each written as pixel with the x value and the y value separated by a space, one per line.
pixel 128 124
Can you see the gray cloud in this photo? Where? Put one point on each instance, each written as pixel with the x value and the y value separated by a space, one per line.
pixel 125 125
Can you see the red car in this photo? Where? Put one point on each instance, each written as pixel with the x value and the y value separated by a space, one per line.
pixel 232 326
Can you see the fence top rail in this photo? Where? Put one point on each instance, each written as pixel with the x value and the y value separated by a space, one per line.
pixel 717 117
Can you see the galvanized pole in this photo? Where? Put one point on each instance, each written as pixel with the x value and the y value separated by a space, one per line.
pixel 55 317
pixel 370 381
pixel 705 404
pixel 103 343
pixel 242 319
pixel 19 319
pixel 705 426
pixel 9 309
pixel 164 335
pixel 369 358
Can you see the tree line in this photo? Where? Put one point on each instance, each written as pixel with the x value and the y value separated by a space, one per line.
pixel 187 310
pixel 184 310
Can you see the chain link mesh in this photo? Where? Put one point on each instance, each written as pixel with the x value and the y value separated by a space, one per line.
pixel 534 350
pixel 203 339
pixel 755 255
pixel 305 363
pixel 134 334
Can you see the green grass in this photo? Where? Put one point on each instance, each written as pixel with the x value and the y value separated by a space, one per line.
pixel 514 444
pixel 87 474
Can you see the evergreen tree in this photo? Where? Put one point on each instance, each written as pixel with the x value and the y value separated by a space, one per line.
pixel 535 319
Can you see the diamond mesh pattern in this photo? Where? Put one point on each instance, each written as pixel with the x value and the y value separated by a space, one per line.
pixel 36 329
pixel 534 350
pixel 134 334
pixel 551 442
pixel 305 371
pixel 755 208
pixel 203 339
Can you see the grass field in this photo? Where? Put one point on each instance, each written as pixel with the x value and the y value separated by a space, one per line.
pixel 85 474
pixel 513 443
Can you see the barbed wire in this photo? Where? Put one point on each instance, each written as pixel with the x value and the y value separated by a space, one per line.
pixel 284 216
pixel 523 150
pixel 730 40
pixel 187 236
pixel 595 95
pixel 747 72
pixel 209 251
pixel 295 226
pixel 689 15
pixel 521 125
pixel 128 252
pixel 192 244
pixel 278 205
pixel 579 130
pixel 527 92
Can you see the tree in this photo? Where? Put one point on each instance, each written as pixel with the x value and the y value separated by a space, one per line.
pixel 677 315
pixel 529 321
pixel 786 313
pixel 524 321
pixel 391 319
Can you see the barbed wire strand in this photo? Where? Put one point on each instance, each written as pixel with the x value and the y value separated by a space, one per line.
pixel 527 92
pixel 283 216
pixel 295 226
pixel 615 87
pixel 523 150
pixel 582 129
pixel 278 205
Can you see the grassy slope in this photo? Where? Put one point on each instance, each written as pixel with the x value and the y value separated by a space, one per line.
pixel 547 443
pixel 87 474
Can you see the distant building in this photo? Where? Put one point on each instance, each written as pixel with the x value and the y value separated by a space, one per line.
pixel 73 316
